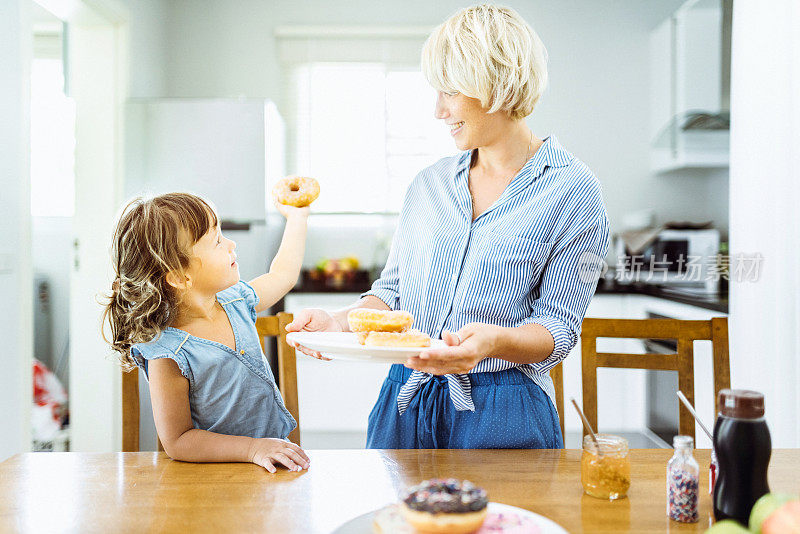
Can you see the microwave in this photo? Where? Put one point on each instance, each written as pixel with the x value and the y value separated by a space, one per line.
pixel 683 258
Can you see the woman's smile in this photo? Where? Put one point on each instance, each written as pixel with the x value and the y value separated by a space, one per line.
pixel 455 128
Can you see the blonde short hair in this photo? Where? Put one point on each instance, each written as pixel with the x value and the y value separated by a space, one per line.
pixel 490 53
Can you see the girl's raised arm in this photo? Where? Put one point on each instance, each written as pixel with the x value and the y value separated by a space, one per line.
pixel 286 265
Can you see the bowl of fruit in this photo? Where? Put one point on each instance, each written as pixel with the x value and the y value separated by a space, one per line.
pixel 336 274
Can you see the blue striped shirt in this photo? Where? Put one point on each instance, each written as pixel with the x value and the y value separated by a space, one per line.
pixel 517 263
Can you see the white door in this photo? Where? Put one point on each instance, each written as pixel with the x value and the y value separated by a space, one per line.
pixel 97 79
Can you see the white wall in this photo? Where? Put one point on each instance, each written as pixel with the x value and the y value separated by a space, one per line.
pixel 15 251
pixel 765 136
pixel 148 48
pixel 597 103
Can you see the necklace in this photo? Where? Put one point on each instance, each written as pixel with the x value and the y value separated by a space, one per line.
pixel 528 153
pixel 527 157
pixel 471 185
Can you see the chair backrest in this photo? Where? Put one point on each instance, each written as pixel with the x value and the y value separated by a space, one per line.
pixel 557 374
pixel 275 326
pixel 685 332
pixel 270 326
pixel 130 411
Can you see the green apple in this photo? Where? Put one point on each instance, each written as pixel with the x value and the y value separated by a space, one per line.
pixel 765 506
pixel 727 526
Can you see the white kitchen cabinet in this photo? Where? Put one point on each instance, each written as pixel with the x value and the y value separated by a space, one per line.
pixel 688 57
pixel 335 397
pixel 229 151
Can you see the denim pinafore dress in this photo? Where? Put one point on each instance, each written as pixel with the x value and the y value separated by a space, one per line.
pixel 231 392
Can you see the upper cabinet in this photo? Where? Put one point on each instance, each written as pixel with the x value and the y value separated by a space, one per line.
pixel 690 87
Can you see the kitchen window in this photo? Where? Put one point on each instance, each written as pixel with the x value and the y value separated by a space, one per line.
pixel 363 125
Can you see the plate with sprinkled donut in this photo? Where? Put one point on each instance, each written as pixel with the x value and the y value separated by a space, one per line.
pixel 502 519
pixel 346 346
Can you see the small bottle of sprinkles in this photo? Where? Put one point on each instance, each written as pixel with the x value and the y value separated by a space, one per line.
pixel 683 482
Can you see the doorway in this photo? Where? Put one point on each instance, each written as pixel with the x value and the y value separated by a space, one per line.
pixel 52 206
pixel 71 231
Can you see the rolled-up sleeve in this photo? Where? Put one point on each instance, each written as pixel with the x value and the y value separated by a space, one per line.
pixel 568 283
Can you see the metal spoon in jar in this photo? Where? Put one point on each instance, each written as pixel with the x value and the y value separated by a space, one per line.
pixel 588 427
pixel 689 407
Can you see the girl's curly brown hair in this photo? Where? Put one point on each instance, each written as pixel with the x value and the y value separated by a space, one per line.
pixel 153 238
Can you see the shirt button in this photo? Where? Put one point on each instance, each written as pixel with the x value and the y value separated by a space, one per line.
pixel 241 351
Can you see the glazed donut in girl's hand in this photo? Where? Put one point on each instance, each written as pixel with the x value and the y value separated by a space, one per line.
pixel 296 191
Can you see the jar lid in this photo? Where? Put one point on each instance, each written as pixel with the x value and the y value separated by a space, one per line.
pixel 741 403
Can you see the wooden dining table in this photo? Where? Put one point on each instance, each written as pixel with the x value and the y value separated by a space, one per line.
pixel 146 492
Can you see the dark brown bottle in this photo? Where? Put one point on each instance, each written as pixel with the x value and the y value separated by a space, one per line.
pixel 743 448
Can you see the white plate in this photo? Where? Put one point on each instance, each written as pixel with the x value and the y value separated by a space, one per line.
pixel 345 346
pixel 363 523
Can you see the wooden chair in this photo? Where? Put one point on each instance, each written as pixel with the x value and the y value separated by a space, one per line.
pixel 270 326
pixel 685 332
pixel 557 375
pixel 275 326
pixel 130 412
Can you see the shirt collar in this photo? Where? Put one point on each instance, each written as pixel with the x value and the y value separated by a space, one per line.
pixel 550 154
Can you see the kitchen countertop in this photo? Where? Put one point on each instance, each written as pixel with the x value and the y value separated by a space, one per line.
pixel 714 302
pixel 355 288
pixel 717 302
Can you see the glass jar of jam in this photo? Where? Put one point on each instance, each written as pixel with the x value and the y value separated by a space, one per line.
pixel 606 473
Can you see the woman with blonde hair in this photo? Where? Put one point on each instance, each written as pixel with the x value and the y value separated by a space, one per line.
pixel 497 251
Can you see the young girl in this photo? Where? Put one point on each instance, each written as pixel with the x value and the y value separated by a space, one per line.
pixel 180 313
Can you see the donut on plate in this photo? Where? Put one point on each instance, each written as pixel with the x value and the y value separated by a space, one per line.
pixel 389 520
pixel 368 320
pixel 409 338
pixel 445 506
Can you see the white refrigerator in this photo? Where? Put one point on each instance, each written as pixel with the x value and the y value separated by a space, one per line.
pixel 230 151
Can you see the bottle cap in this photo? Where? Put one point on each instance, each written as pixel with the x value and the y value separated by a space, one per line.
pixel 682 442
pixel 741 403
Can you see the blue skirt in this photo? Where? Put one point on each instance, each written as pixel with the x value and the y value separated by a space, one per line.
pixel 511 412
